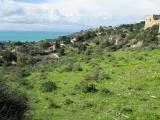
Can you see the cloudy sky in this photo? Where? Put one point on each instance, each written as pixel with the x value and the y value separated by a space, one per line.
pixel 72 15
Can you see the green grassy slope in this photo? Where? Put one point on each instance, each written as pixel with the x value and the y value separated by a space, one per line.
pixel 130 92
pixel 106 74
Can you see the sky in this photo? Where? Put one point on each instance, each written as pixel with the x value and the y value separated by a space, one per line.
pixel 72 15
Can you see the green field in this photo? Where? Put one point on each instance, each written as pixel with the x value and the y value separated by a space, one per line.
pixel 128 89
pixel 108 73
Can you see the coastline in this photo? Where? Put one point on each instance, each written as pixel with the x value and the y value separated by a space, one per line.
pixel 29 36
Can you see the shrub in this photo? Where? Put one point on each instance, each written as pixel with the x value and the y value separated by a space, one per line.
pixel 140 58
pixel 68 101
pixel 85 87
pixel 48 86
pixel 106 91
pixel 82 47
pixel 158 61
pixel 91 88
pixel 149 37
pixel 77 68
pixel 65 39
pixel 9 56
pixel 89 35
pixel 1 61
pixel 92 76
pixel 80 38
pixel 72 67
pixel 61 51
pixel 104 44
pixel 87 105
pixel 88 52
pixel 52 104
pixel 21 58
pixel 103 76
pixel 25 73
pixel 123 35
pixel 126 110
pixel 68 68
pixel 97 75
pixel 82 86
pixel 26 83
pixel 13 104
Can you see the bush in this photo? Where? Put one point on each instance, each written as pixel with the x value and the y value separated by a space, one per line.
pixel 89 35
pixel 104 76
pixel 104 44
pixel 140 58
pixel 126 110
pixel 158 61
pixel 65 39
pixel 21 58
pixel 68 101
pixel 52 104
pixel 68 68
pixel 85 87
pixel 13 104
pixel 25 73
pixel 48 86
pixel 81 47
pixel 92 88
pixel 61 51
pixel 1 61
pixel 26 83
pixel 9 56
pixel 149 37
pixel 87 105
pixel 71 67
pixel 97 75
pixel 92 76
pixel 82 86
pixel 106 91
pixel 77 68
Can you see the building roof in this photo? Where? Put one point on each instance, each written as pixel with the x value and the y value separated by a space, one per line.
pixel 156 17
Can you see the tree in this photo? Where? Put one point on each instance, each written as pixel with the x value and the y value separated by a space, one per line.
pixel 57 44
pixel 65 39
pixel 61 51
pixel 21 58
pixel 45 45
pixel 8 56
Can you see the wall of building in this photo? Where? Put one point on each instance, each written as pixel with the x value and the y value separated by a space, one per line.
pixel 159 27
pixel 150 21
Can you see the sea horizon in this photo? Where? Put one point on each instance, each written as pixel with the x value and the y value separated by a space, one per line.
pixel 23 36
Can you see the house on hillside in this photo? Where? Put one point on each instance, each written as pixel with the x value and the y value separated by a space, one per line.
pixel 151 21
pixel 50 48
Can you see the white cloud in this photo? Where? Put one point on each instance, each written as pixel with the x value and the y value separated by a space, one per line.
pixel 73 14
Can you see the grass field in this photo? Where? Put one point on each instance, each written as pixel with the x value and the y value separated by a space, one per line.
pixel 128 90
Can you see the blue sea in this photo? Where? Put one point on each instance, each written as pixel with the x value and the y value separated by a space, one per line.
pixel 29 35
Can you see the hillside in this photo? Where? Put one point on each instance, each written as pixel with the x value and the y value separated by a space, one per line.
pixel 107 73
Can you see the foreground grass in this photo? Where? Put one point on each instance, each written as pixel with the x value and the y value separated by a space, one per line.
pixel 133 89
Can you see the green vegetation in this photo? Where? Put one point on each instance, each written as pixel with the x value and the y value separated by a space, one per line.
pixel 13 104
pixel 106 74
pixel 49 86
